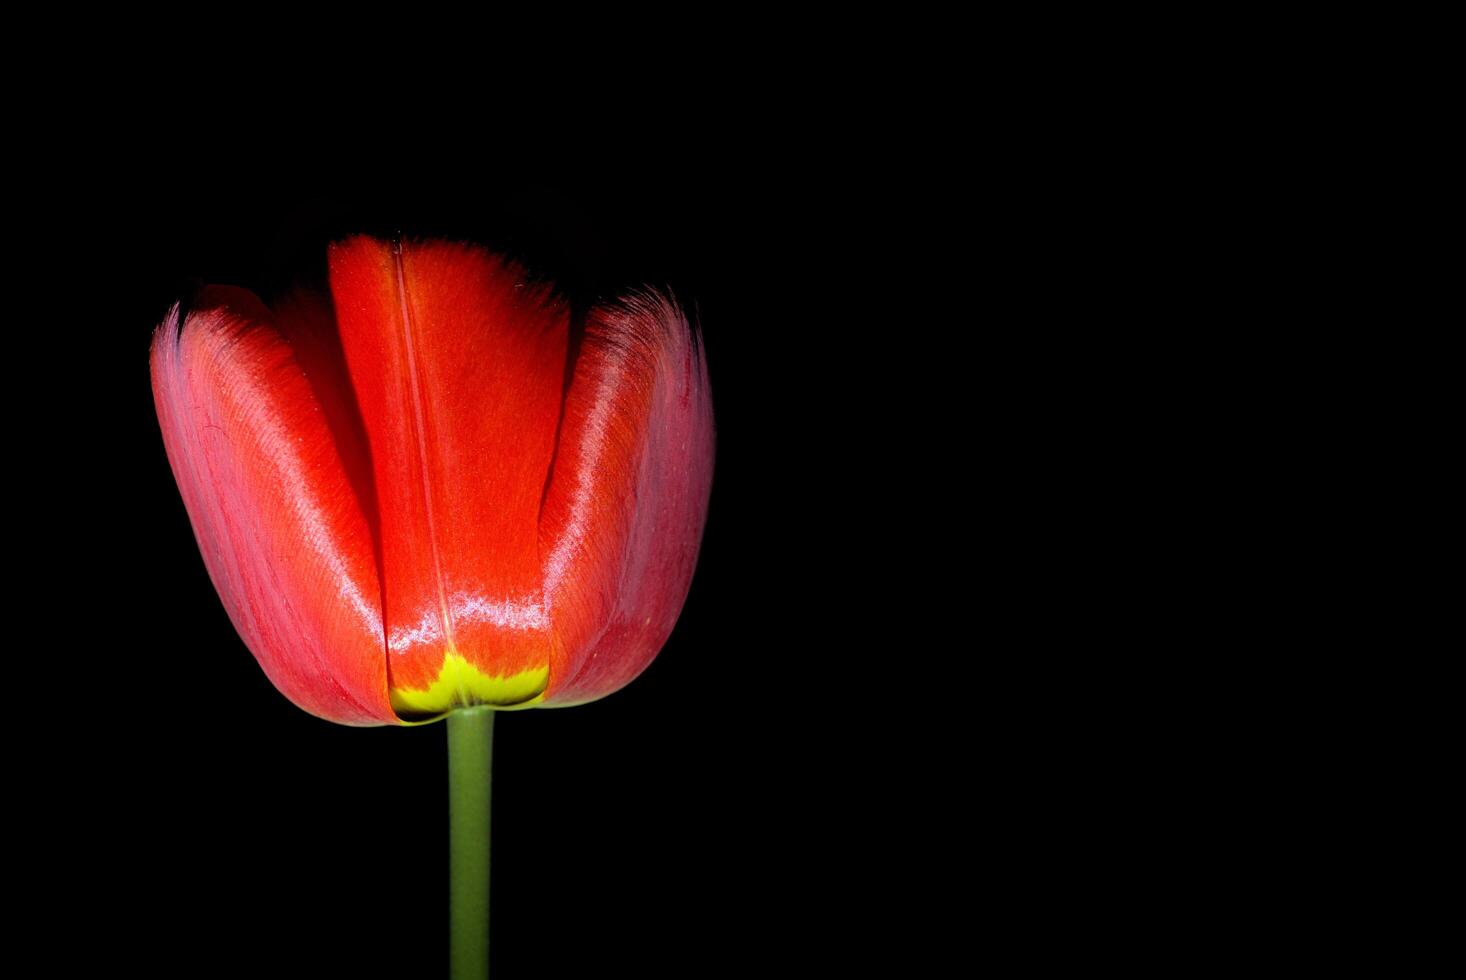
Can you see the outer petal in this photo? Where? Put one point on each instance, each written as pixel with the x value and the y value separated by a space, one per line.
pixel 459 368
pixel 266 483
pixel 624 513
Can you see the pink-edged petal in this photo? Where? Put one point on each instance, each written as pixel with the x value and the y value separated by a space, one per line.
pixel 253 443
pixel 624 513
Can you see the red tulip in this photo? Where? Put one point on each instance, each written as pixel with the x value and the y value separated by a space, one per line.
pixel 427 491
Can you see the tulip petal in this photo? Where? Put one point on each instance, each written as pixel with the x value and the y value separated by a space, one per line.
pixel 257 422
pixel 624 512
pixel 459 368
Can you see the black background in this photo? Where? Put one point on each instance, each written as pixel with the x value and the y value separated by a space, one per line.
pixel 702 818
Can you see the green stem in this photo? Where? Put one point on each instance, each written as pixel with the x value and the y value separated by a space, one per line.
pixel 470 755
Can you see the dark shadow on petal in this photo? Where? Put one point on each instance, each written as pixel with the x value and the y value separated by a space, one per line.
pixel 572 355
pixel 307 319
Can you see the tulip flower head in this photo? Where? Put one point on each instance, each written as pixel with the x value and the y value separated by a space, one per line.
pixel 429 489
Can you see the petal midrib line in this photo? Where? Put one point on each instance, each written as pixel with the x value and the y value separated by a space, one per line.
pixel 419 421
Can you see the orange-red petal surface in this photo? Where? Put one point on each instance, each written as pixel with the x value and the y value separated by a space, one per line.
pixel 257 430
pixel 624 512
pixel 423 497
pixel 458 365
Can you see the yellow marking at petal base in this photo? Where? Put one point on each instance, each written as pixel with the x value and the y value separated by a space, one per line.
pixel 460 684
